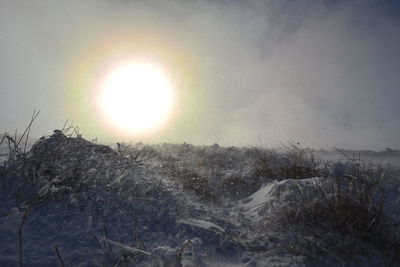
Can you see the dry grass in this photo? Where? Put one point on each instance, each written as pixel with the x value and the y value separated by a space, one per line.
pixel 353 206
pixel 340 218
pixel 289 162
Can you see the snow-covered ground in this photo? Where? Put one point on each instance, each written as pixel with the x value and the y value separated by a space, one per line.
pixel 70 202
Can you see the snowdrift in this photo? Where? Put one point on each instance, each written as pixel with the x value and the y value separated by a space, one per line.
pixel 71 202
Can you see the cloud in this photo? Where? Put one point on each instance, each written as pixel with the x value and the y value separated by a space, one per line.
pixel 323 73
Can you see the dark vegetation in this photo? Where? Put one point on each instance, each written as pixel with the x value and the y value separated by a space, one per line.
pixel 350 211
pixel 358 199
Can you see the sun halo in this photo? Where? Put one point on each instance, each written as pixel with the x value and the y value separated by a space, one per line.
pixel 137 97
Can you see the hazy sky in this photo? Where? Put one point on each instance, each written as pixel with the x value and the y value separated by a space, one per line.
pixel 322 73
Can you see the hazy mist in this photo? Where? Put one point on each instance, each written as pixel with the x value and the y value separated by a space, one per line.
pixel 322 73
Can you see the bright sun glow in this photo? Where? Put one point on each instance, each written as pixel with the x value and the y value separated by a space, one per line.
pixel 137 97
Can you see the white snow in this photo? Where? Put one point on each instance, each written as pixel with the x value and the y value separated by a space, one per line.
pixel 278 194
pixel 143 215
pixel 201 224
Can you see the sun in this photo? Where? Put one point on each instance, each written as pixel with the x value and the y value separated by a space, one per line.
pixel 137 97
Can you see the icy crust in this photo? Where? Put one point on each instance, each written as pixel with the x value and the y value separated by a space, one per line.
pixel 86 204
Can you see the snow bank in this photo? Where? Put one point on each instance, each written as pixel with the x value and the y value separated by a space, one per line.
pixel 105 207
pixel 278 195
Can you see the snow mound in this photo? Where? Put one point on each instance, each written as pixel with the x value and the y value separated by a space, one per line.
pixel 277 195
pixel 85 204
